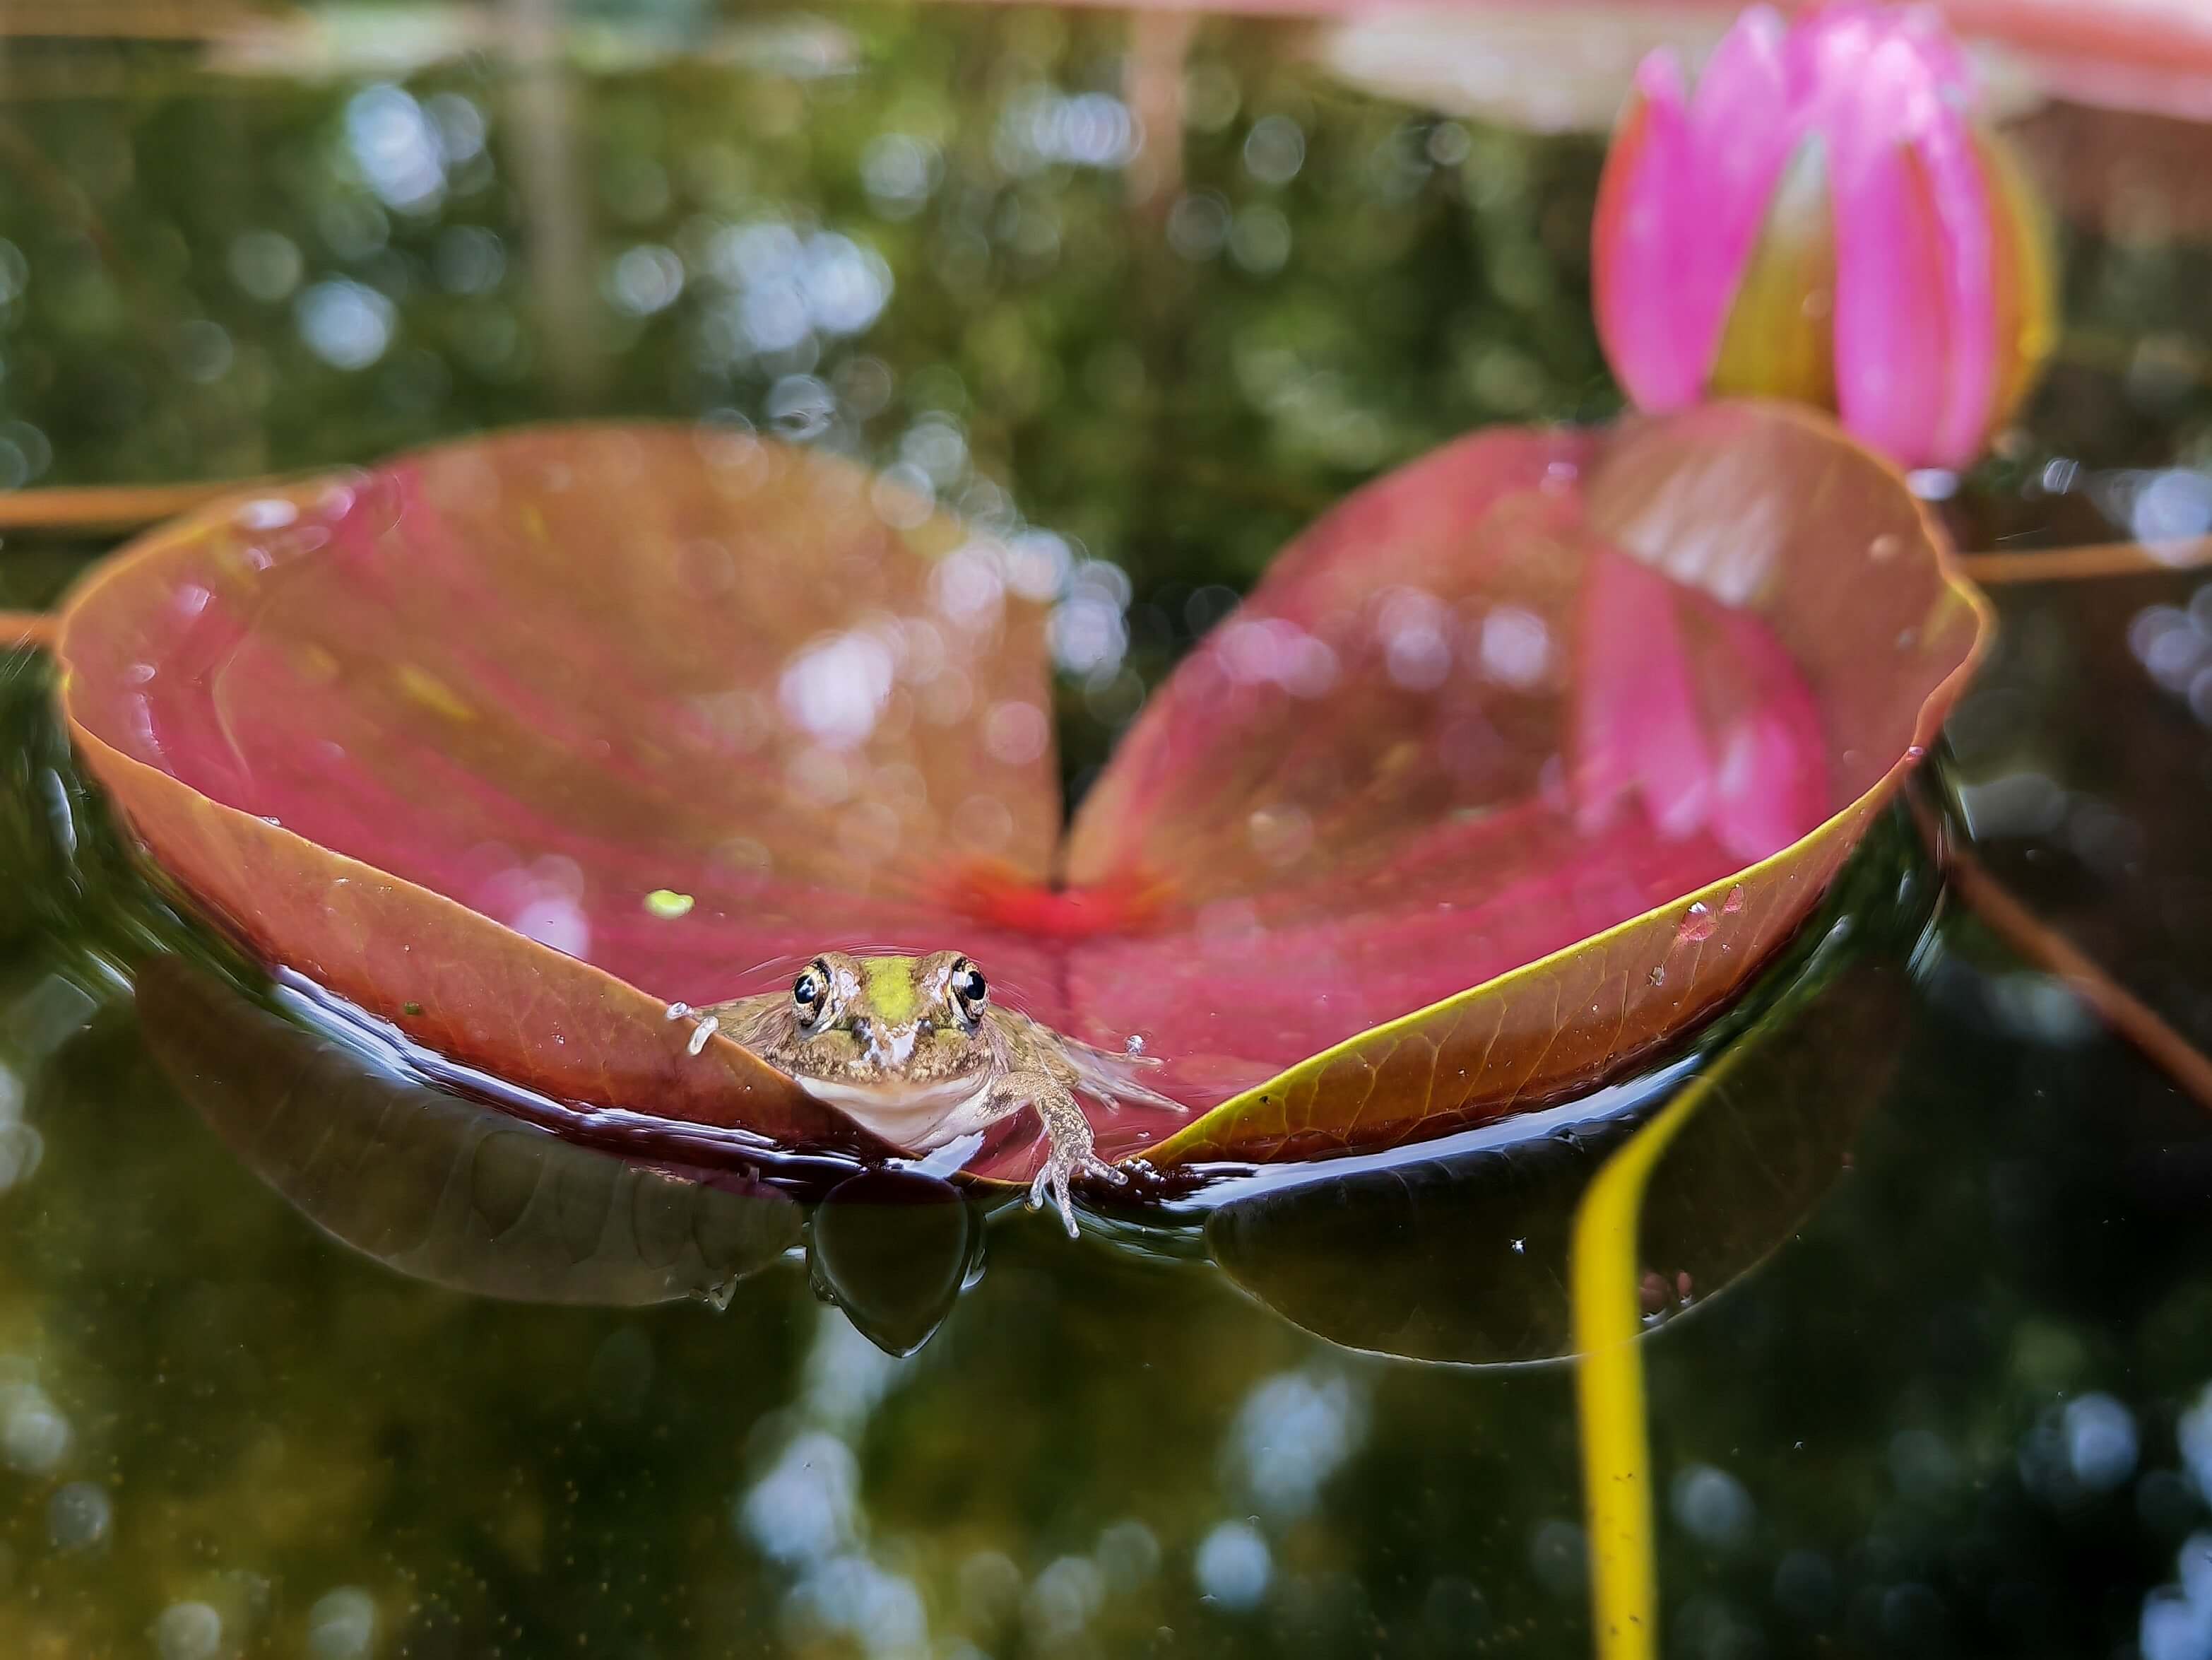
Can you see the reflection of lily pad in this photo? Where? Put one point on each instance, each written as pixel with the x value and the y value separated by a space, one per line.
pixel 444 1189
pixel 894 1249
pixel 441 736
pixel 437 1187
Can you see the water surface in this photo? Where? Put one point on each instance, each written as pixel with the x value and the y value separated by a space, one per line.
pixel 1956 1410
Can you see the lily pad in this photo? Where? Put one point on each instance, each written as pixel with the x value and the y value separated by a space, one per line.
pixel 1517 764
pixel 1459 1251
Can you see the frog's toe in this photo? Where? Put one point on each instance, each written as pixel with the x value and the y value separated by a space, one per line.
pixel 1053 1180
pixel 1094 1165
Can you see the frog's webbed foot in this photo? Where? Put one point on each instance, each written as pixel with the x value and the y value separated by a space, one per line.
pixel 1067 1135
pixel 1059 1169
pixel 1113 1078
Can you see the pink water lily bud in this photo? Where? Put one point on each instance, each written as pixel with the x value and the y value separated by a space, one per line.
pixel 1824 219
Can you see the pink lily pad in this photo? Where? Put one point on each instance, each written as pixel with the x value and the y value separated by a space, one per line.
pixel 1516 765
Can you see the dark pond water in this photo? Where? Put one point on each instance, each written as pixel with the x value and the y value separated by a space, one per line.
pixel 1958 1398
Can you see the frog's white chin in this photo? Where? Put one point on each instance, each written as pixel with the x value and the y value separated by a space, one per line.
pixel 917 1118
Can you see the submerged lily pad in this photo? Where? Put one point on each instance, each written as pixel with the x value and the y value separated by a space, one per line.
pixel 440 1188
pixel 463 1195
pixel 1518 763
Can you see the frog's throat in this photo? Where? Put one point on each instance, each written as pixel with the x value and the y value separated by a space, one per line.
pixel 917 1116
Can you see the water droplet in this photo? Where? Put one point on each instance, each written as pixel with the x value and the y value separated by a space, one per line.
pixel 667 903
pixel 1886 546
pixel 1698 923
pixel 1735 901
pixel 1915 752
pixel 1135 1044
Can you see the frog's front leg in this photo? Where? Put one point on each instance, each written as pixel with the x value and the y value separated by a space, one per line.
pixel 1068 1137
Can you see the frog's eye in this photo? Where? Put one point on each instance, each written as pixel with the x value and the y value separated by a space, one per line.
pixel 969 987
pixel 808 994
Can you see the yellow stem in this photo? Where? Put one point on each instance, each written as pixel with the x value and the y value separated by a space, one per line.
pixel 1605 1277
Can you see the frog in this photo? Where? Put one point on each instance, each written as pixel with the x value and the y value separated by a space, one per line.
pixel 915 1050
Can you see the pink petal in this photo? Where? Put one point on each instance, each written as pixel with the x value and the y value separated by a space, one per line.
pixel 1965 220
pixel 1639 247
pixel 1684 192
pixel 1890 345
pixel 1743 131
pixel 1934 43
pixel 1893 77
pixel 1916 325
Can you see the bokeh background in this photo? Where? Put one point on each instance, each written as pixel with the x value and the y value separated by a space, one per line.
pixel 1143 294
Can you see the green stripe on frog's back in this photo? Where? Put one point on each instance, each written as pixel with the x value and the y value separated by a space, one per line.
pixel 890 984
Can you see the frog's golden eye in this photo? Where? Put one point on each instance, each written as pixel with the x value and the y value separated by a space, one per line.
pixel 809 993
pixel 969 987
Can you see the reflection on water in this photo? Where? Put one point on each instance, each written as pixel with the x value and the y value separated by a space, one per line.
pixel 458 1195
pixel 1960 1409
pixel 1451 1249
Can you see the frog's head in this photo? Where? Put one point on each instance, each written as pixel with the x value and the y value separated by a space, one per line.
pixel 891 1026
